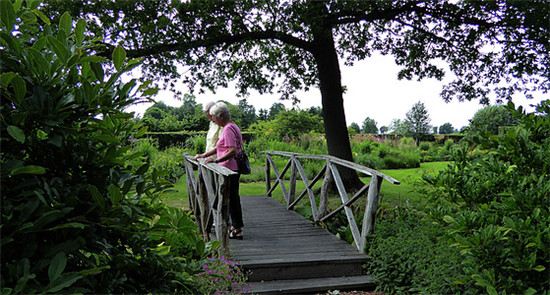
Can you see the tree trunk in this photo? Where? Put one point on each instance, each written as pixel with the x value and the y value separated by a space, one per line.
pixel 330 83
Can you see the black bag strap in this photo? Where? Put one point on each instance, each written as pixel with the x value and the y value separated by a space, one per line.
pixel 239 140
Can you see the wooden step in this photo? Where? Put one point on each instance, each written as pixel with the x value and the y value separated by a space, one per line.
pixel 313 286
pixel 279 244
pixel 302 268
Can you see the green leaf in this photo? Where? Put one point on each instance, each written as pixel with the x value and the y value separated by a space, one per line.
pixel 92 58
pixel 23 271
pixel 31 169
pixel 119 56
pixel 79 31
pixel 94 271
pixel 448 219
pixel 39 60
pixel 5 78
pixel 531 245
pixel 16 133
pixel 163 250
pixel 62 282
pixel 114 194
pixel 539 268
pixel 41 15
pixel 141 170
pixel 70 225
pixel 7 14
pixel 66 23
pixel 98 71
pixel 28 18
pixel 150 91
pixel 17 5
pixel 40 44
pixel 141 132
pixel 491 290
pixel 49 217
pixel 57 266
pixel 73 60
pixel 27 210
pixel 59 49
pixel 20 88
pixel 530 291
pixel 97 196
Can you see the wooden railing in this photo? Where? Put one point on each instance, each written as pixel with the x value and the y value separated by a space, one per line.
pixel 329 174
pixel 208 193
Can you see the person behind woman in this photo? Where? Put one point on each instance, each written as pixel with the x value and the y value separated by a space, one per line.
pixel 214 130
pixel 228 146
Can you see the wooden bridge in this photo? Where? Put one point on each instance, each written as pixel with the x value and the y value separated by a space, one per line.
pixel 282 251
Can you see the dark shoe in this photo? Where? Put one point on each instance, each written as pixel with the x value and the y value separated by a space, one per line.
pixel 236 234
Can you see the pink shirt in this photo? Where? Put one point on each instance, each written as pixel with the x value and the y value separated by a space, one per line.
pixel 231 137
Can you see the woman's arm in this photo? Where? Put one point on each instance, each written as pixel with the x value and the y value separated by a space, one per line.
pixel 231 152
pixel 207 154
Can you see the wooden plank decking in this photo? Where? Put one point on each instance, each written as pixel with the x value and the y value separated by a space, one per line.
pixel 286 253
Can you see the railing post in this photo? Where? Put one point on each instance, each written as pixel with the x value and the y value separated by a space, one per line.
pixel 267 175
pixel 323 199
pixel 292 183
pixel 222 214
pixel 372 205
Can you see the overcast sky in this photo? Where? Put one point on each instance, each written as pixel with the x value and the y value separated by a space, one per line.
pixel 372 91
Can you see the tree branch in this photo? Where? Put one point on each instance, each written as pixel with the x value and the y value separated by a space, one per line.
pixel 210 42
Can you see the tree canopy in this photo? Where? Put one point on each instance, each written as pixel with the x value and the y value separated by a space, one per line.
pixel 498 46
pixel 491 118
pixel 369 126
pixel 446 128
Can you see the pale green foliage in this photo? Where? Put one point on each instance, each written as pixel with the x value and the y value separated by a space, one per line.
pixel 490 119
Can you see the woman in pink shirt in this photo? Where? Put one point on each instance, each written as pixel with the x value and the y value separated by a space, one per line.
pixel 228 146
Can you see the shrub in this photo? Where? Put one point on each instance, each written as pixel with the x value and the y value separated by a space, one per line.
pixel 169 163
pixel 449 143
pixel 406 143
pixel 402 160
pixel 365 147
pixel 409 255
pixel 75 219
pixel 425 146
pixel 369 160
pixel 197 143
pixel 146 147
pixel 497 206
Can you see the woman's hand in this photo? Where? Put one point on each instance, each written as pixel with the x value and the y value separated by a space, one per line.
pixel 197 156
pixel 208 160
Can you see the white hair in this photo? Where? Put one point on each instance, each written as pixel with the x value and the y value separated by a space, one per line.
pixel 208 106
pixel 220 109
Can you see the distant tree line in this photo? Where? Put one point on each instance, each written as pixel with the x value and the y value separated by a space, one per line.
pixel 491 119
pixel 277 120
pixel 292 123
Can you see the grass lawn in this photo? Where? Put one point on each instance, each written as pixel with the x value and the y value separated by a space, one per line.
pixel 391 195
pixel 397 194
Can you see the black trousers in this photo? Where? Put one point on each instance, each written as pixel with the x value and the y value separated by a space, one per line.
pixel 235 211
